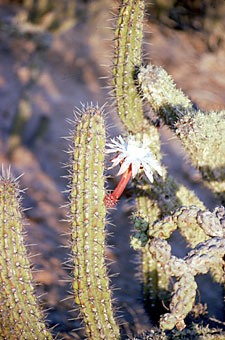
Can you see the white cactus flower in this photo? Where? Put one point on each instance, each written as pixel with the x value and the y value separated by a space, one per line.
pixel 133 153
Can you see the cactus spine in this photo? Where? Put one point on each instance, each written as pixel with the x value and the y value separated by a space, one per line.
pixel 91 283
pixel 21 318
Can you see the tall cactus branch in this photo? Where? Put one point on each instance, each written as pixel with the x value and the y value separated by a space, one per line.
pixel 128 40
pixel 91 283
pixel 21 318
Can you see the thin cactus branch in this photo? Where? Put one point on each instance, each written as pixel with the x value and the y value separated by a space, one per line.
pixel 128 40
pixel 91 283
pixel 21 317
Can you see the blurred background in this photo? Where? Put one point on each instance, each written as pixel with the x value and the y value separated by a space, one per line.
pixel 55 55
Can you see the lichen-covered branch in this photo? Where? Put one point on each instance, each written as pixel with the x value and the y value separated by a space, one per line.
pixel 202 135
pixel 159 89
pixel 212 224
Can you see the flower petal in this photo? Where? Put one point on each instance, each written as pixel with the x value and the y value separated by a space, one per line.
pixel 135 168
pixel 125 165
pixel 154 164
pixel 134 153
pixel 116 161
pixel 148 172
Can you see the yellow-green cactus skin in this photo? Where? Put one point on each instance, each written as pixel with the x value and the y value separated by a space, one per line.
pixel 127 59
pixel 91 283
pixel 20 315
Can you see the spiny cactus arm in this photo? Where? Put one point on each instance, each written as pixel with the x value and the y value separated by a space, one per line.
pixel 182 302
pixel 159 89
pixel 195 224
pixel 202 134
pixel 209 223
pixel 186 219
pixel 154 201
pixel 128 40
pixel 91 283
pixel 184 289
pixel 198 261
pixel 21 317
pixel 206 255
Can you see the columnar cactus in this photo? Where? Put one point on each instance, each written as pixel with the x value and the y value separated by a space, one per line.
pixel 20 316
pixel 128 41
pixel 91 283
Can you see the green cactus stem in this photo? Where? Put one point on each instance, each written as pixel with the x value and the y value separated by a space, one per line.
pixel 154 201
pixel 91 283
pixel 21 318
pixel 198 261
pixel 128 40
pixel 201 134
